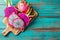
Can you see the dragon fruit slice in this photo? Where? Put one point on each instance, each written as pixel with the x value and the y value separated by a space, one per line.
pixel 11 18
pixel 22 6
pixel 18 23
pixel 15 21
pixel 25 18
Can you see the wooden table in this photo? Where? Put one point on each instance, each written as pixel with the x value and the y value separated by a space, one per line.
pixel 45 27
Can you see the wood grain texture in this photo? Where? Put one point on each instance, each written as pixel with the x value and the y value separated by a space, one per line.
pixel 45 27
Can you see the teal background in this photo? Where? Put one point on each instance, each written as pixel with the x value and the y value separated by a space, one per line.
pixel 45 27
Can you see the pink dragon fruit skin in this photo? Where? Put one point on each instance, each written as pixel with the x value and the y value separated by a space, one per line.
pixel 25 18
pixel 9 10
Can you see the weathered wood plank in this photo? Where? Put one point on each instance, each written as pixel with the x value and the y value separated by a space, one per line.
pixel 30 34
pixel 40 23
pixel 42 12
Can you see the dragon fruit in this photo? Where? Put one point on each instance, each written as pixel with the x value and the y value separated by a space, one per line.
pixel 22 7
pixel 18 20
pixel 18 23
pixel 9 10
pixel 25 18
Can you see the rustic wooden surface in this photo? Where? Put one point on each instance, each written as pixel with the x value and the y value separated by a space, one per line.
pixel 45 27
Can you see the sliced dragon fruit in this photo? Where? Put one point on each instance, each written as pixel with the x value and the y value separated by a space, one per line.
pixel 15 21
pixel 11 18
pixel 25 18
pixel 18 23
pixel 22 6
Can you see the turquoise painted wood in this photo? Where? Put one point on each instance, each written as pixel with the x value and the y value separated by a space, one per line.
pixel 45 27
